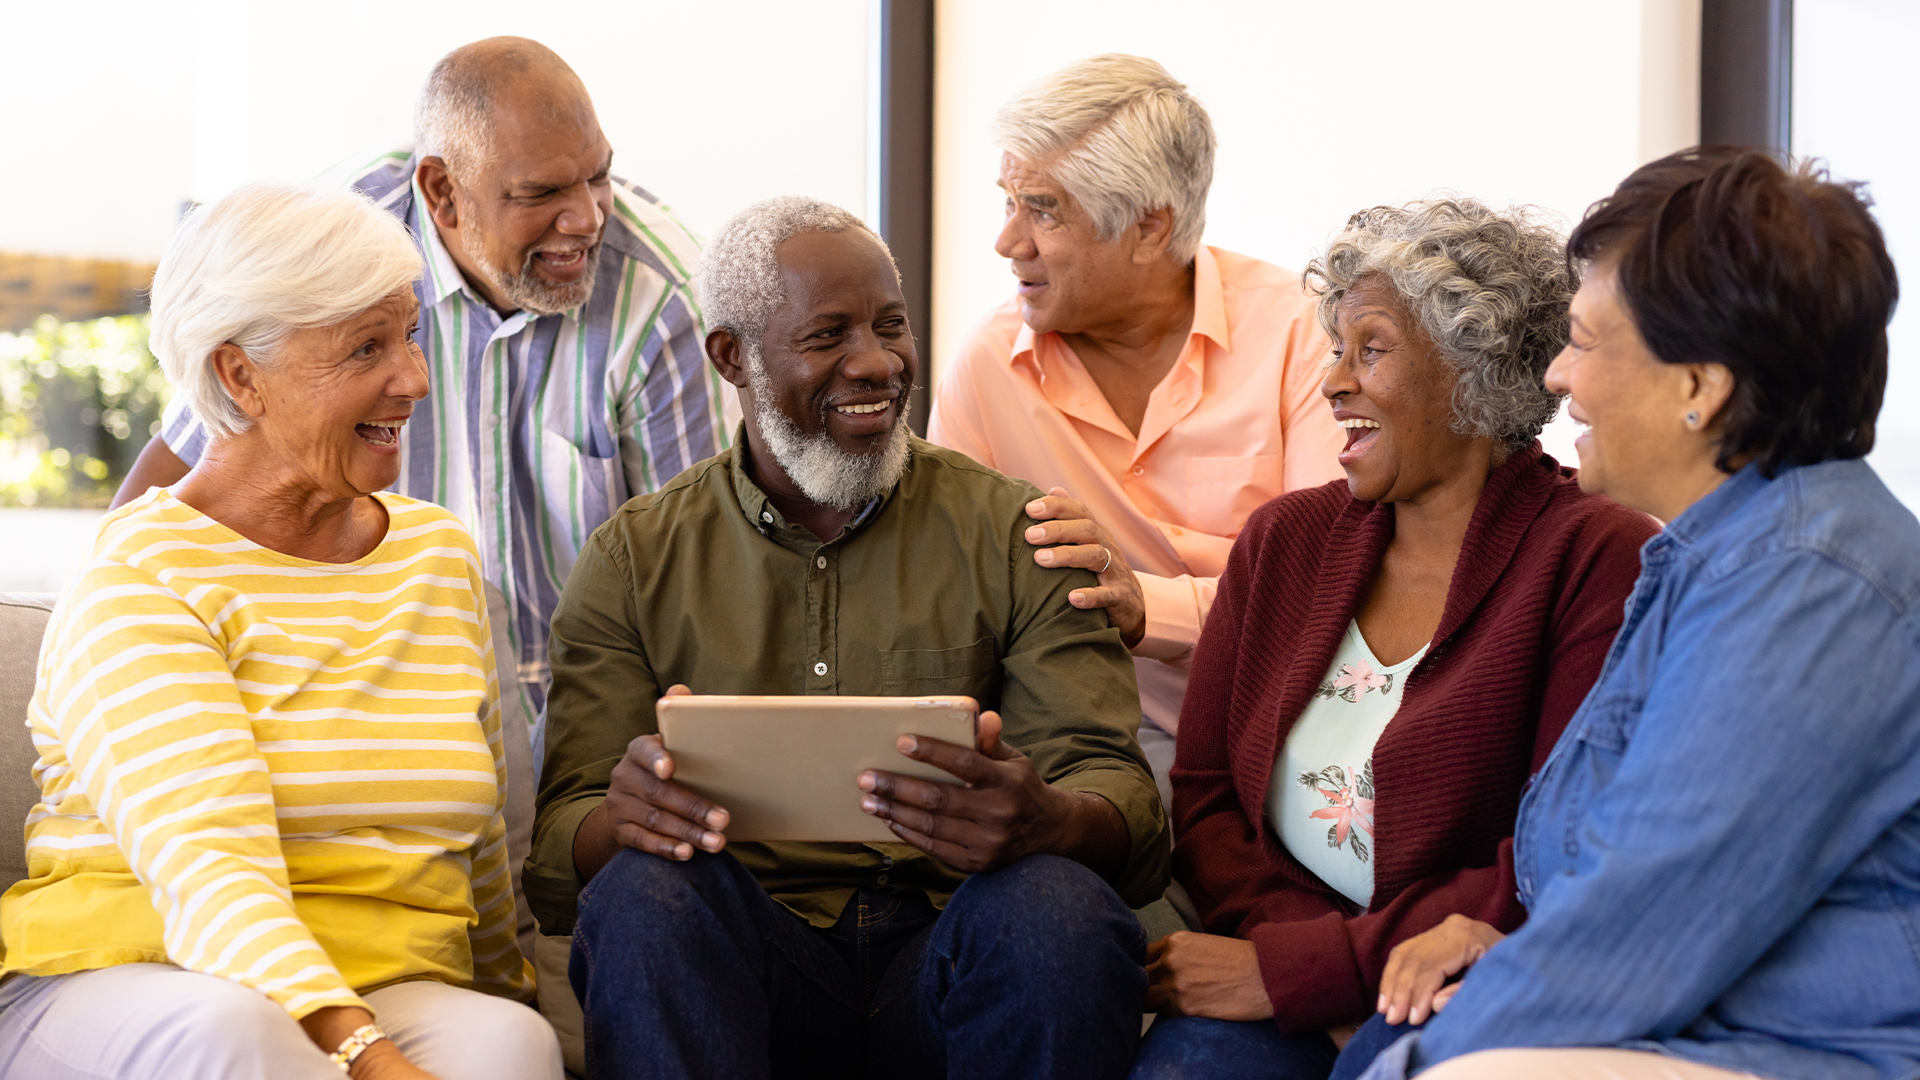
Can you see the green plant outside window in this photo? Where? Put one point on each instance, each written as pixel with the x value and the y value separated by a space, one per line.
pixel 78 402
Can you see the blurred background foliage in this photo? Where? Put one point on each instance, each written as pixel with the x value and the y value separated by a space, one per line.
pixel 78 402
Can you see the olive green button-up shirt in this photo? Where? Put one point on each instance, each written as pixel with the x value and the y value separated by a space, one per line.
pixel 933 590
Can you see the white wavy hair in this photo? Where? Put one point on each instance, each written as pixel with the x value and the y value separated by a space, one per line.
pixel 258 264
pixel 740 288
pixel 1123 137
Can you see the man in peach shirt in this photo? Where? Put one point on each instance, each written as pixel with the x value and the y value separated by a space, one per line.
pixel 1171 388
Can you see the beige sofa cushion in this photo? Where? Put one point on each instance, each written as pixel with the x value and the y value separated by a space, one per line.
pixel 23 622
pixel 551 955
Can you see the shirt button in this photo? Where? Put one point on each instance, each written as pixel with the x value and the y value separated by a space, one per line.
pixel 886 860
pixel 766 517
pixel 881 880
pixel 1139 470
pixel 820 667
pixel 820 562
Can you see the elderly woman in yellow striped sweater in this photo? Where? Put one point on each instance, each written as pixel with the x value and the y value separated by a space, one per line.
pixel 270 830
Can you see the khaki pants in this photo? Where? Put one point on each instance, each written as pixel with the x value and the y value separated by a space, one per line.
pixel 1575 1064
pixel 159 1022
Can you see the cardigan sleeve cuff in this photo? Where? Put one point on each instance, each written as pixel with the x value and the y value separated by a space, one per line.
pixel 1310 973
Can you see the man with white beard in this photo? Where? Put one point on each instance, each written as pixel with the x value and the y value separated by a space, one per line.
pixel 831 552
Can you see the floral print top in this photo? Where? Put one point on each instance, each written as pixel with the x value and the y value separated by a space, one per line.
pixel 1320 798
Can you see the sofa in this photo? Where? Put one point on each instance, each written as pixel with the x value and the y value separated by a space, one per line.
pixel 23 622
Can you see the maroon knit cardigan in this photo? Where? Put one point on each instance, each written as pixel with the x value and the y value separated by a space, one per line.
pixel 1535 601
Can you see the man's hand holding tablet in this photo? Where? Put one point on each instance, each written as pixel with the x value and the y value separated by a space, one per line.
pixel 1001 811
pixel 1004 812
pixel 645 810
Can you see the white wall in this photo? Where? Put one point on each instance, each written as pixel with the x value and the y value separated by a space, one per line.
pixel 119 111
pixel 1855 88
pixel 1323 109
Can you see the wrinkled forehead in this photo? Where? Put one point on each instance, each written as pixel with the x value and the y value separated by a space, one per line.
pixel 1028 180
pixel 535 121
pixel 835 272
pixel 1373 299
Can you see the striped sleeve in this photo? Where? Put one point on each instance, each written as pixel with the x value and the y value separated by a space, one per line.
pixel 182 431
pixel 151 720
pixel 498 967
pixel 668 398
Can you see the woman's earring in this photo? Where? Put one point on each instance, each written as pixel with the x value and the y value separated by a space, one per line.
pixel 1693 419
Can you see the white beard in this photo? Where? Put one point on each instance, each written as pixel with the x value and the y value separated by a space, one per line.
pixel 815 463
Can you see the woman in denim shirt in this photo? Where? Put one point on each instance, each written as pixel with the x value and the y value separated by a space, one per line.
pixel 1721 858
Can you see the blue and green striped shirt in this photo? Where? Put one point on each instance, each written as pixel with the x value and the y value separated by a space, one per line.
pixel 539 427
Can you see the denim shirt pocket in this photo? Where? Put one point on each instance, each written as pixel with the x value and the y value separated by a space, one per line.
pixel 1609 723
pixel 1553 813
pixel 973 670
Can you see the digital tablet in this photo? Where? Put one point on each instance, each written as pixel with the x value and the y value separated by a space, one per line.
pixel 786 767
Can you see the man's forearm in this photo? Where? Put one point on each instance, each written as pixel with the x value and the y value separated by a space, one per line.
pixel 1095 835
pixel 594 844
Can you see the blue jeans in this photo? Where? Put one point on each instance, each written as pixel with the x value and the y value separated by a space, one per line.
pixel 691 970
pixel 1199 1048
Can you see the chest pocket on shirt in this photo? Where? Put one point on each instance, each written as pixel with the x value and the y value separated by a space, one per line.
pixel 1608 723
pixel 973 670
pixel 594 442
pixel 1223 491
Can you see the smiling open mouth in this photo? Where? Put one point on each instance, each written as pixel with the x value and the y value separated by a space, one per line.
pixel 381 433
pixel 863 410
pixel 1359 430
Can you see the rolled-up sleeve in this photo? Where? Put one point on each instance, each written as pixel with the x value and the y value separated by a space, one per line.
pixel 1070 702
pixel 1176 609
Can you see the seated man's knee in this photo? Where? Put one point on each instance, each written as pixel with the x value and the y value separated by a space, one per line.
pixel 665 889
pixel 1048 903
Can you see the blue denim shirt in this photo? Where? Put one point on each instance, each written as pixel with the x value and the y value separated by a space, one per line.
pixel 1721 859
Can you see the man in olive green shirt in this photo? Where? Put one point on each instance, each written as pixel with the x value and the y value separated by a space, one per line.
pixel 831 552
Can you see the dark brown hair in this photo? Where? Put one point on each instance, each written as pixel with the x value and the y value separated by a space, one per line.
pixel 1723 255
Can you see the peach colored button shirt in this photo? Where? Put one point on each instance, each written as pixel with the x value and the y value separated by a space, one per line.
pixel 1237 421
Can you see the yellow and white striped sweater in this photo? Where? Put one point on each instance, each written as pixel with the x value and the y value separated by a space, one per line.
pixel 282 772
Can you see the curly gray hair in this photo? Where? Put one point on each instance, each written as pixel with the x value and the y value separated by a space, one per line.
pixel 1489 287
pixel 740 273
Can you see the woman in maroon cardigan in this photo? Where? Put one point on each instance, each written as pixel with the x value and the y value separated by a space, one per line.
pixel 1388 659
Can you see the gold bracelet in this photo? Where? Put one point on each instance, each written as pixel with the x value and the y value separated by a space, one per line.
pixel 363 1036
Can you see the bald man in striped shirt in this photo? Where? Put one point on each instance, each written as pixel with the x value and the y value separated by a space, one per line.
pixel 563 340
pixel 562 336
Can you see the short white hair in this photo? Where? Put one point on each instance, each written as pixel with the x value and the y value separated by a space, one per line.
pixel 452 120
pixel 1123 137
pixel 740 270
pixel 262 262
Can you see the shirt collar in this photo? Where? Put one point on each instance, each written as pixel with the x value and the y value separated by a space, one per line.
pixel 1209 311
pixel 764 516
pixel 443 274
pixel 1696 521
